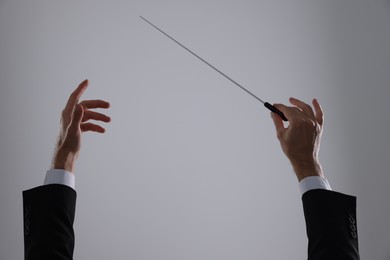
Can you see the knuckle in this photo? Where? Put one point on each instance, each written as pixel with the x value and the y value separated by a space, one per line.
pixel 64 113
pixel 311 124
pixel 305 122
pixel 301 121
pixel 306 106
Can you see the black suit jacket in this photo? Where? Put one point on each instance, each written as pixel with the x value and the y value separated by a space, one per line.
pixel 49 214
pixel 331 225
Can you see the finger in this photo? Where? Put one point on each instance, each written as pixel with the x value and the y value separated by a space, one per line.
pixel 91 115
pixel 278 122
pixel 303 106
pixel 289 112
pixel 85 127
pixel 75 96
pixel 319 112
pixel 95 104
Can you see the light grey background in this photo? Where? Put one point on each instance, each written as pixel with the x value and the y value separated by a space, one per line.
pixel 190 167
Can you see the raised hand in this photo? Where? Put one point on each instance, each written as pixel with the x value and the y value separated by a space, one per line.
pixel 300 140
pixel 75 119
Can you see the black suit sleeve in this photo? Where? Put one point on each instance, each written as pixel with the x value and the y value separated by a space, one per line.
pixel 49 212
pixel 331 225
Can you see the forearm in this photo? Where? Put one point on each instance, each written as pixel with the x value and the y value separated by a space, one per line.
pixel 310 176
pixel 331 225
pixel 62 169
pixel 64 159
pixel 49 212
pixel 306 168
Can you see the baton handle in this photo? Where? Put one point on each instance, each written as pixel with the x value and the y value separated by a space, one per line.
pixel 275 110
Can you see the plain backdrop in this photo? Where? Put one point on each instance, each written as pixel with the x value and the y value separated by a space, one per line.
pixel 190 167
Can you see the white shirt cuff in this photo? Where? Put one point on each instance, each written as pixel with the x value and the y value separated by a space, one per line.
pixel 63 177
pixel 313 183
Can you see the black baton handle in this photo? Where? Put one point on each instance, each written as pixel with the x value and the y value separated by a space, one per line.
pixel 275 110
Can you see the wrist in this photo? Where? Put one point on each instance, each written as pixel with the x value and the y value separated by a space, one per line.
pixel 64 160
pixel 307 168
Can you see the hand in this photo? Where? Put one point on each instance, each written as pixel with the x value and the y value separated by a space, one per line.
pixel 73 122
pixel 300 140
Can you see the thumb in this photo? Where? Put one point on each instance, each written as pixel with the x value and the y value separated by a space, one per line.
pixel 68 152
pixel 77 118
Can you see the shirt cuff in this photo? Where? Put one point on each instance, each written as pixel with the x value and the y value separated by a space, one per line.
pixel 56 176
pixel 313 183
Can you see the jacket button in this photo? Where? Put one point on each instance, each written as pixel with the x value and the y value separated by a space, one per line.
pixel 352 219
pixel 27 213
pixel 26 231
pixel 353 227
pixel 27 227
